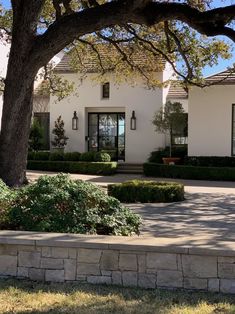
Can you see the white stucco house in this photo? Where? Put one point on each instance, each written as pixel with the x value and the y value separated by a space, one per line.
pixel 211 117
pixel 104 120
pixel 106 110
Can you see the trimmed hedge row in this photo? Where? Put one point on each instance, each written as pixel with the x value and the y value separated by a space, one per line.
pixel 210 161
pixel 147 191
pixel 70 156
pixel 105 168
pixel 189 172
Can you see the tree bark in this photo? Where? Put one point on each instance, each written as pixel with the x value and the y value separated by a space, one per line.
pixel 16 119
pixel 18 92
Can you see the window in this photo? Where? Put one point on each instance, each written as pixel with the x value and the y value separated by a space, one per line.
pixel 105 90
pixel 44 121
pixel 233 130
pixel 180 133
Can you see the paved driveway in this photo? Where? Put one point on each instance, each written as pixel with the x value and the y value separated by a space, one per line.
pixel 202 216
pixel 206 216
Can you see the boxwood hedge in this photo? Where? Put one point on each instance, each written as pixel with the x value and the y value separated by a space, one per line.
pixel 210 161
pixel 104 168
pixel 189 172
pixel 147 191
pixel 69 156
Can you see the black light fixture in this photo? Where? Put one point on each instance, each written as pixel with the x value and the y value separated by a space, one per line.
pixel 75 121
pixel 133 121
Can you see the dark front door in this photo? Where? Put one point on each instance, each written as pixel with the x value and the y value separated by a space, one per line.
pixel 106 133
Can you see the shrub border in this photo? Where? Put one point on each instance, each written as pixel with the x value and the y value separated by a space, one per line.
pixel 104 168
pixel 189 172
pixel 147 191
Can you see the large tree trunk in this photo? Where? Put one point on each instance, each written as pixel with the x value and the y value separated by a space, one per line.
pixel 18 93
pixel 17 111
pixel 16 118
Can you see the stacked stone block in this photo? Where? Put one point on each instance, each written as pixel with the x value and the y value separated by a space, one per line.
pixel 144 267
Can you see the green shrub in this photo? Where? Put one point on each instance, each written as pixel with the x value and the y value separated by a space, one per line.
pixel 6 197
pixel 147 191
pixel 156 156
pixel 56 156
pixel 189 172
pixel 103 157
pixel 88 156
pixel 38 155
pixel 59 204
pixel 102 168
pixel 210 161
pixel 72 156
pixel 35 136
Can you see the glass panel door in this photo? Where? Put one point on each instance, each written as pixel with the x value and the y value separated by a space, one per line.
pixel 106 133
pixel 121 136
pixel 93 132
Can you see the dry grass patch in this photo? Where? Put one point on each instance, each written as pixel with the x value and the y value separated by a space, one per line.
pixel 24 297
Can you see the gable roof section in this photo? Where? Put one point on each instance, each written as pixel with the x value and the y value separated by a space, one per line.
pixel 226 77
pixel 89 62
pixel 176 91
pixel 64 65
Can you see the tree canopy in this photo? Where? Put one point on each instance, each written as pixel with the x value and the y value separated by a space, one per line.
pixel 182 33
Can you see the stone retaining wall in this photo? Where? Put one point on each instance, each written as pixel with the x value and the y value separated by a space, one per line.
pixel 107 260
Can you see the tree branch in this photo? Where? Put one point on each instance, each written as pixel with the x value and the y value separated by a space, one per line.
pixel 180 49
pixel 69 27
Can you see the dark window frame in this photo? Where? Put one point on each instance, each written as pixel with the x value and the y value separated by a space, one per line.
pixel 117 136
pixel 183 134
pixel 40 117
pixel 105 90
pixel 233 130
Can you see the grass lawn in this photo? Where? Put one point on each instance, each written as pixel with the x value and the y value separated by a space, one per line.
pixel 24 297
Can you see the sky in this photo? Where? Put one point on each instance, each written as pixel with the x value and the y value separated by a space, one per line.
pixel 223 64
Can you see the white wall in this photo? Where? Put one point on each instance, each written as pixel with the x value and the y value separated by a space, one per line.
pixel 123 98
pixel 4 50
pixel 210 120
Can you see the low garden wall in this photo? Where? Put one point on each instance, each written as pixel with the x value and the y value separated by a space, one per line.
pixel 125 261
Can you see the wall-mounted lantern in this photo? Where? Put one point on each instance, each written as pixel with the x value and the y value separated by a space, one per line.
pixel 75 121
pixel 133 121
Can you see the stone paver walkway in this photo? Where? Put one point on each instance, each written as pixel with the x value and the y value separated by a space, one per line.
pixel 206 216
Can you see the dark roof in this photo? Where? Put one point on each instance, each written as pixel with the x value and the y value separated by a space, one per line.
pixel 88 61
pixel 176 91
pixel 64 65
pixel 226 77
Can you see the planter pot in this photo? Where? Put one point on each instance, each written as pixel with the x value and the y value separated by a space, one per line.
pixel 170 160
